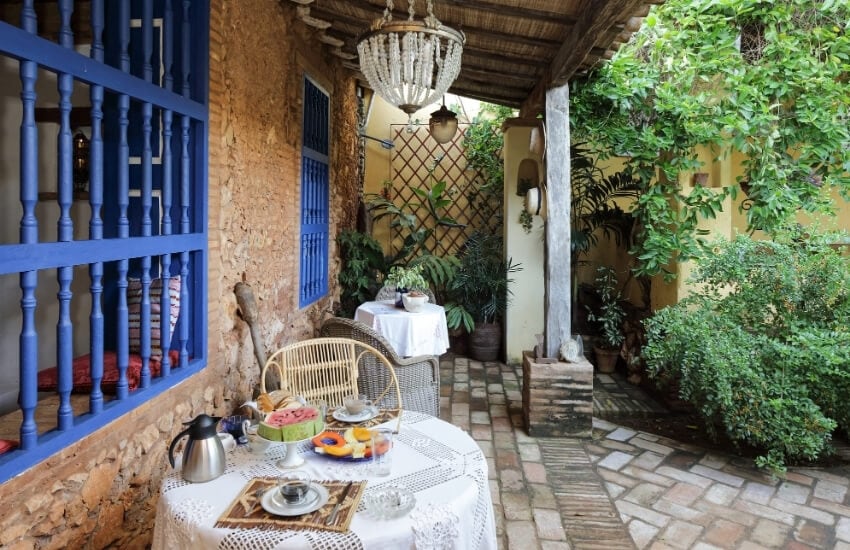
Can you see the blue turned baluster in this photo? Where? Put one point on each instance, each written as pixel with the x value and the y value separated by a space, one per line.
pixel 123 202
pixel 65 229
pixel 147 186
pixel 167 166
pixel 185 185
pixel 96 222
pixel 28 398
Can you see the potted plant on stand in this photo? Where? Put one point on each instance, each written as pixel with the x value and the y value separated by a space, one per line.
pixel 480 293
pixel 410 286
pixel 610 316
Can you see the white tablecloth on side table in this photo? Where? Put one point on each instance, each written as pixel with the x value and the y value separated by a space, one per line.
pixel 438 462
pixel 421 333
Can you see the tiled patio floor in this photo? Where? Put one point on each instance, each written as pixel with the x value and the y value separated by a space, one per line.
pixel 627 489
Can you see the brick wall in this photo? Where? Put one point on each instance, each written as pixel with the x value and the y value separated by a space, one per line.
pixel 102 492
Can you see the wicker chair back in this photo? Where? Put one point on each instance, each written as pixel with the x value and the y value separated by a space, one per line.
pixel 329 368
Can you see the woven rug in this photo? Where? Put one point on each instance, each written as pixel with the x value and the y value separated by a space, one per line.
pixel 235 515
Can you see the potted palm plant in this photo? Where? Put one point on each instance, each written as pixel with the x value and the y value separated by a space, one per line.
pixel 610 317
pixel 480 293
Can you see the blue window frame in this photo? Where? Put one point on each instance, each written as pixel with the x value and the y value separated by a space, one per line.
pixel 315 202
pixel 141 81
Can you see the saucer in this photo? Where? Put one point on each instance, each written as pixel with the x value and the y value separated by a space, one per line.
pixel 343 416
pixel 316 497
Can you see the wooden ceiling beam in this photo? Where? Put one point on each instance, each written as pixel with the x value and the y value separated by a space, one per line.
pixel 361 25
pixel 485 6
pixel 481 75
pixel 502 88
pixel 488 97
pixel 596 18
pixel 521 71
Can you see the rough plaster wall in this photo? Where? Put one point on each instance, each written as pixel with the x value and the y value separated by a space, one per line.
pixel 260 148
pixel 102 492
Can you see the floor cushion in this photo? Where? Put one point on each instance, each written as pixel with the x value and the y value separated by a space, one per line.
pixel 48 378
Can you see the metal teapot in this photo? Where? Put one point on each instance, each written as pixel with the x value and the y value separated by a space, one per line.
pixel 203 457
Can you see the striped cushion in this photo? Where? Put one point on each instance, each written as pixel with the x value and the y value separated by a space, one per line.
pixel 134 305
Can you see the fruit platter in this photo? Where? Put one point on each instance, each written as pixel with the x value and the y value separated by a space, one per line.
pixel 354 444
pixel 288 419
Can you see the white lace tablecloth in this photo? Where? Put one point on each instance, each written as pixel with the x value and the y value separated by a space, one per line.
pixel 422 333
pixel 437 461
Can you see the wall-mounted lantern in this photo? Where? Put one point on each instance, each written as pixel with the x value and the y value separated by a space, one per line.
pixel 81 162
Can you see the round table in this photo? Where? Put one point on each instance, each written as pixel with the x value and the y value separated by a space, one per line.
pixel 410 334
pixel 438 462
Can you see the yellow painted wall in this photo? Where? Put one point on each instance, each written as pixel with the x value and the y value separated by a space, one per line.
pixel 723 168
pixel 381 117
pixel 524 317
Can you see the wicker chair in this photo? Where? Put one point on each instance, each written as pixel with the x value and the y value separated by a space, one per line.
pixel 418 377
pixel 330 369
pixel 387 292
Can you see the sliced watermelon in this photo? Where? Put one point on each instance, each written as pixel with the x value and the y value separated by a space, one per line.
pixel 291 424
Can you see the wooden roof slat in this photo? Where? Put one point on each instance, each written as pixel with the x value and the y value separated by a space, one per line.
pixel 515 49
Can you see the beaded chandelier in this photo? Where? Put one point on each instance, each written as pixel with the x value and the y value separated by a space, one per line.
pixel 410 63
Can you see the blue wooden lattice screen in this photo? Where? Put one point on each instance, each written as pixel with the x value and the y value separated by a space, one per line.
pixel 146 78
pixel 315 206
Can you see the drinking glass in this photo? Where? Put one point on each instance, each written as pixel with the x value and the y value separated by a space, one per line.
pixel 382 445
pixel 293 487
pixel 257 445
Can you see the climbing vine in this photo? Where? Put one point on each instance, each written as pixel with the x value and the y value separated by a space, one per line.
pixel 768 80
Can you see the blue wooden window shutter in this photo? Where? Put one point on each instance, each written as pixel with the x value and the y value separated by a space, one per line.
pixel 315 202
pixel 141 214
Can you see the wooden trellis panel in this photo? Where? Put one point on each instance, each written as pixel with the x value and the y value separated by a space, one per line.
pixel 417 161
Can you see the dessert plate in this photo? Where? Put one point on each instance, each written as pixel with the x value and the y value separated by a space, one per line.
pixel 316 497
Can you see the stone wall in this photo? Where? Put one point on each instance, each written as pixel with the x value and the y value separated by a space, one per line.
pixel 102 492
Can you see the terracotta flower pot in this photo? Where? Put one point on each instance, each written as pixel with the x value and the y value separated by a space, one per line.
pixel 606 359
pixel 485 341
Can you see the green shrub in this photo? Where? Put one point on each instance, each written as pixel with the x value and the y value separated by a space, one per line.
pixel 760 348
pixel 362 262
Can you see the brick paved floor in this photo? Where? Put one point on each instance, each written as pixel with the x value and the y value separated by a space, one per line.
pixel 628 489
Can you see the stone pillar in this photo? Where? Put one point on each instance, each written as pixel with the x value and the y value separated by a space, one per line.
pixel 558 196
pixel 557 397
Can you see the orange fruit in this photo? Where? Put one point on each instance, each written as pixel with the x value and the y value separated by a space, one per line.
pixel 345 450
pixel 362 434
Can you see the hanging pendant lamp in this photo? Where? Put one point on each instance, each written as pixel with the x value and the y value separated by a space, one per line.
pixel 443 124
pixel 410 63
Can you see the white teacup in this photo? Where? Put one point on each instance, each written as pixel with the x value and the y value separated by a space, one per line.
pixel 356 404
pixel 227 441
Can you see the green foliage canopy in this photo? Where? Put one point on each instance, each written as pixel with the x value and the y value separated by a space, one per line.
pixel 766 79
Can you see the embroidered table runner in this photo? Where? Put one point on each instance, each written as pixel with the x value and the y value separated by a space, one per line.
pixel 235 515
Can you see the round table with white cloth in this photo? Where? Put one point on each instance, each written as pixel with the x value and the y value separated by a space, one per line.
pixel 439 463
pixel 421 333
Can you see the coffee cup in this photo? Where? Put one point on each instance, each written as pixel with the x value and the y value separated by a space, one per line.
pixel 356 404
pixel 293 487
pixel 227 441
pixel 233 426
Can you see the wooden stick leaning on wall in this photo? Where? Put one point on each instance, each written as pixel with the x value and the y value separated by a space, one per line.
pixel 249 313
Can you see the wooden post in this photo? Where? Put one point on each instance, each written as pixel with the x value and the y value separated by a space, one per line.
pixel 557 296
